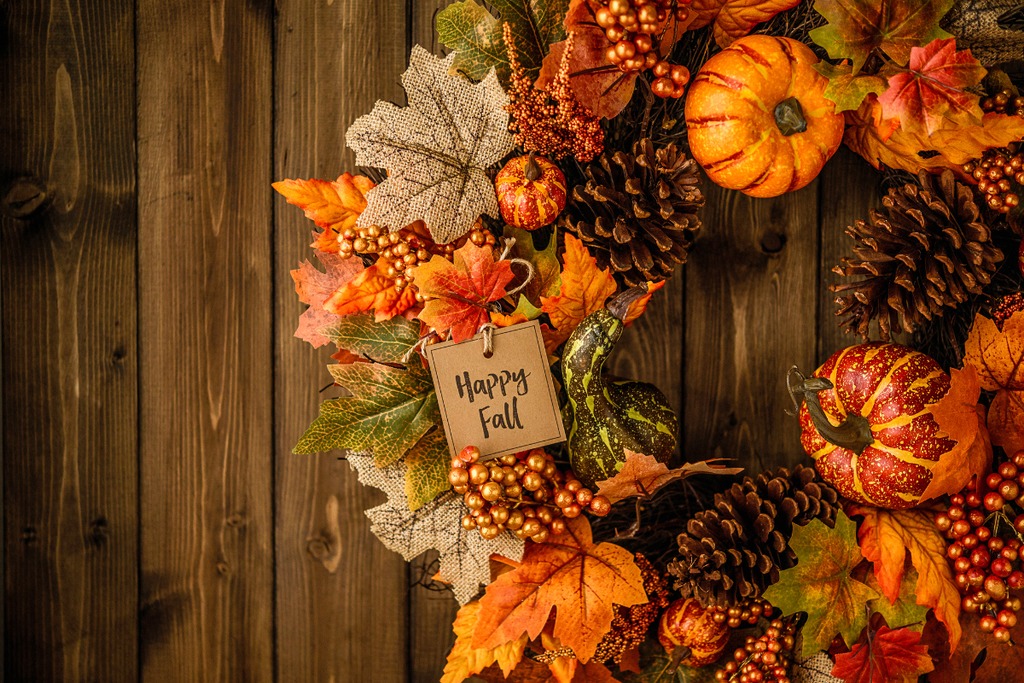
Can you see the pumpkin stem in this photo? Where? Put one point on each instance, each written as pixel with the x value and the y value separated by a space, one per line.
pixel 789 116
pixel 853 434
pixel 532 169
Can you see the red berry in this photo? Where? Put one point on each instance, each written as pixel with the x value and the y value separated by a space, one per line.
pixel 983 533
pixel 976 517
pixel 970 541
pixel 1009 553
pixel 960 528
pixel 995 587
pixel 993 480
pixel 1009 490
pixel 1000 567
pixel 988 623
pixel 1015 580
pixel 956 513
pixel 961 582
pixel 1008 470
pixel 956 500
pixel 1006 618
pixel 943 522
pixel 1001 634
pixel 980 557
pixel 1018 459
pixel 975 577
pixel 993 501
pixel 973 499
pixel 996 544
pixel 1018 524
pixel 968 605
pixel 961 565
pixel 955 550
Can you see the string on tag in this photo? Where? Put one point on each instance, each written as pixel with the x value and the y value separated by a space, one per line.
pixel 487 329
pixel 415 348
pixel 509 243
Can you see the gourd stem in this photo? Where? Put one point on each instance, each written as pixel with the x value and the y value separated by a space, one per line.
pixel 532 169
pixel 853 433
pixel 789 116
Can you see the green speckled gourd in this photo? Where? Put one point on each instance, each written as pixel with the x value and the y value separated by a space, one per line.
pixel 606 418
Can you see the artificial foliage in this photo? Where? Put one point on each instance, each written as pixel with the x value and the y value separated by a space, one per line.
pixel 547 176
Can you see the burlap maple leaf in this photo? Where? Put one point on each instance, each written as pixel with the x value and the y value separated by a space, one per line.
pixel 436 150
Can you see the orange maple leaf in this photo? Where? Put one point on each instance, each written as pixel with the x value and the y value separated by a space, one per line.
pixel 933 90
pixel 998 356
pixel 585 288
pixel 459 292
pixel 882 141
pixel 962 420
pixel 464 660
pixel 585 581
pixel 315 287
pixel 886 536
pixel 641 475
pixel 884 656
pixel 372 291
pixel 332 205
pixel 735 18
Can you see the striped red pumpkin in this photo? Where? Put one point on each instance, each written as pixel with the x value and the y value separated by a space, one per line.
pixel 872 434
pixel 757 117
pixel 686 624
pixel 531 192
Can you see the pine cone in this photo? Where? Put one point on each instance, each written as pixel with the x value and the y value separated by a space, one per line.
pixel 638 212
pixel 734 551
pixel 925 251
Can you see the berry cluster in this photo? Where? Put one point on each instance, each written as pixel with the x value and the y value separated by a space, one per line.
pixel 525 493
pixel 985 523
pixel 765 659
pixel 1003 102
pixel 399 252
pixel 746 612
pixel 635 27
pixel 1007 306
pixel 997 173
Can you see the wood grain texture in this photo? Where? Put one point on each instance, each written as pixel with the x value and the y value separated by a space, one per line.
pixel 204 126
pixel 342 597
pixel 67 214
pixel 751 310
pixel 849 188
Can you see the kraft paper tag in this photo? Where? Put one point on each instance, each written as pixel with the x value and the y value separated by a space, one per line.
pixel 502 404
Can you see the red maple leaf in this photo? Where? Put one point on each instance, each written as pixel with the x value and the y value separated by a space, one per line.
pixel 884 656
pixel 459 292
pixel 932 93
pixel 315 287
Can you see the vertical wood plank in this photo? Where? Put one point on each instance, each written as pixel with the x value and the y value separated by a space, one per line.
pixel 751 308
pixel 204 116
pixel 342 597
pixel 431 613
pixel 67 215
pixel 849 188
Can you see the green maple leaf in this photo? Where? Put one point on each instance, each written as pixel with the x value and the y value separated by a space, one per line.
pixel 476 35
pixel 856 27
pixel 821 585
pixel 385 342
pixel 388 412
pixel 846 89
pixel 426 469
pixel 905 612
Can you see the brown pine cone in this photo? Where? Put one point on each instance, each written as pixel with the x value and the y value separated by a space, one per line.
pixel 734 551
pixel 637 212
pixel 926 250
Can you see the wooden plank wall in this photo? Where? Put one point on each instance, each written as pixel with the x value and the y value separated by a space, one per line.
pixel 156 525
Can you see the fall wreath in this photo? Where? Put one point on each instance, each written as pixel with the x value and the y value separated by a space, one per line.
pixel 539 186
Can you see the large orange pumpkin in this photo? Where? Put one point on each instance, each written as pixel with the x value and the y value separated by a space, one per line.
pixel 867 421
pixel 758 119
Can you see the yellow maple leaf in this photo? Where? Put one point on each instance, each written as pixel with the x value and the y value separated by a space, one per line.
pixel 464 660
pixel 332 205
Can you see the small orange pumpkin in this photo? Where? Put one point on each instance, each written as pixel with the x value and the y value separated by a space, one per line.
pixel 531 192
pixel 757 117
pixel 686 624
